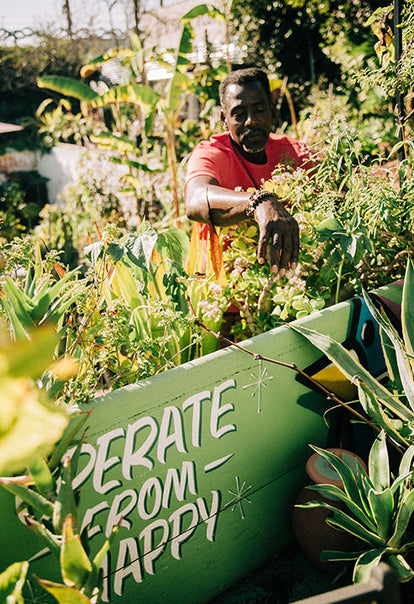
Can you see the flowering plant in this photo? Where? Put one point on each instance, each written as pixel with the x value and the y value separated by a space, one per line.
pixel 355 230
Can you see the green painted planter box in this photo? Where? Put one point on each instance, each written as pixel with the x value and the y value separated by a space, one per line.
pixel 200 466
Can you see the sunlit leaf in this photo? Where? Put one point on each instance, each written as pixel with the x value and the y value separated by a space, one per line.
pixel 11 583
pixel 378 463
pixel 407 309
pixel 405 511
pixel 67 86
pixel 352 368
pixel 63 593
pixel 382 506
pixel 75 564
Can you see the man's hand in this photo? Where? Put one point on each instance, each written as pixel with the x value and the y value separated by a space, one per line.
pixel 278 236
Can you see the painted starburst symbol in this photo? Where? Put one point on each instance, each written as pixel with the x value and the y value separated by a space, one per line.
pixel 239 496
pixel 259 383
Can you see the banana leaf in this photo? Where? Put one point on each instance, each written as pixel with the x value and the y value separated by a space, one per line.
pixel 68 87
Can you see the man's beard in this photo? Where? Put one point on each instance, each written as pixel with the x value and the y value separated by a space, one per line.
pixel 254 144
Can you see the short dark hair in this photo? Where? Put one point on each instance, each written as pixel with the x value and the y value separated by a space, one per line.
pixel 243 76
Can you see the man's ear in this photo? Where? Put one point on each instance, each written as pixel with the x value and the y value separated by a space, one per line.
pixel 223 120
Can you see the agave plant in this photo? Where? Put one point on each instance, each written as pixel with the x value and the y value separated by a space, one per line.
pixel 38 299
pixel 390 406
pixel 375 510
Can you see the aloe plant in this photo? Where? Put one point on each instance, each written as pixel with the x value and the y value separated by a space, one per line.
pixel 376 510
pixel 38 299
pixel 31 469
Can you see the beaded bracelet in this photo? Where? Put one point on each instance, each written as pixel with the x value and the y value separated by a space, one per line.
pixel 255 199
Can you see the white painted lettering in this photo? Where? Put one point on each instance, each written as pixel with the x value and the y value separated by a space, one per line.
pixel 210 518
pixel 152 552
pixel 105 577
pixel 127 550
pixel 88 469
pixel 217 411
pixel 152 484
pixel 165 439
pixel 119 516
pixel 89 516
pixel 180 483
pixel 103 463
pixel 195 402
pixel 178 535
pixel 140 456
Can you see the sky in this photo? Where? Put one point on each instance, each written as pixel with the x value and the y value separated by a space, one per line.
pixel 18 14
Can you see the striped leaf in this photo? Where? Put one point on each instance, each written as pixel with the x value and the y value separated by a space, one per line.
pixel 352 368
pixel 366 563
pixel 378 463
pixel 407 310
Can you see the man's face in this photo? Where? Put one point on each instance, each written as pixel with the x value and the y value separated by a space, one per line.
pixel 247 115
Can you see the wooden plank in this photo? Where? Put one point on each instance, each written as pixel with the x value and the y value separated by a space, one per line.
pixel 201 466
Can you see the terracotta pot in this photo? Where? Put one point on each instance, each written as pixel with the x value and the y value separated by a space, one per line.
pixel 311 531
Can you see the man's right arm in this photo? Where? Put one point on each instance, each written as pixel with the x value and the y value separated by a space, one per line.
pixel 206 200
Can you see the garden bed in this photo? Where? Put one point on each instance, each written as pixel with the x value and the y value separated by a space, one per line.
pixel 201 465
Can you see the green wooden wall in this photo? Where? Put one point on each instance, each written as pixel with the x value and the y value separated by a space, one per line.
pixel 200 465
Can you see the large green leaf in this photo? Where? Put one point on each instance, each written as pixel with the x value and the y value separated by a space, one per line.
pixel 67 87
pixel 391 362
pixel 42 476
pixel 33 356
pixel 178 84
pixel 76 423
pixel 203 9
pixel 340 520
pixel 352 368
pixel 406 461
pixel 405 511
pixel 74 562
pixel 333 555
pixel 403 360
pixel 35 428
pixel 65 505
pixel 41 505
pixel 382 506
pixel 52 541
pixel 108 140
pixel 20 303
pixel 345 473
pixel 140 247
pixel 129 93
pixel 12 581
pixel 407 308
pixel 63 593
pixel 173 244
pixel 333 491
pixel 366 563
pixel 373 408
pixel 378 463
pixel 400 565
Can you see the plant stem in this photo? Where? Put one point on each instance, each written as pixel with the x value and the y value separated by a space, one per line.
pixel 338 283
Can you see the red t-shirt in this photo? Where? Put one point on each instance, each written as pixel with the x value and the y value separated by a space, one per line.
pixel 218 158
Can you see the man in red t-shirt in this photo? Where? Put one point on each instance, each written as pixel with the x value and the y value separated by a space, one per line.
pixel 221 170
